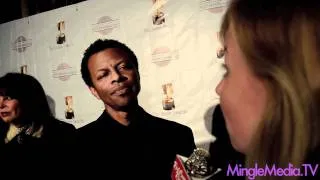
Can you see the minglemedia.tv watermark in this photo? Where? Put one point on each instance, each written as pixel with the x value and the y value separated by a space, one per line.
pixel 272 170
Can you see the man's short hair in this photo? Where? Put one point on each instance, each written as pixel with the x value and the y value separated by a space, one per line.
pixel 100 45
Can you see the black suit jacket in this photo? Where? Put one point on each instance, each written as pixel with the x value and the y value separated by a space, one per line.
pixel 26 155
pixel 146 149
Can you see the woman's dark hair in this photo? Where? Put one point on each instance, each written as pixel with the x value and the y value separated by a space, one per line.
pixel 31 96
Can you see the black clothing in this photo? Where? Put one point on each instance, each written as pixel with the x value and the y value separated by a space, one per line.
pixel 145 149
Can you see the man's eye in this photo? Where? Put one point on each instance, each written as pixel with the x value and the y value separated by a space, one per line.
pixel 102 75
pixel 124 66
pixel 121 67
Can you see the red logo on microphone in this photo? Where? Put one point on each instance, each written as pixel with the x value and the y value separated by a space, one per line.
pixel 178 170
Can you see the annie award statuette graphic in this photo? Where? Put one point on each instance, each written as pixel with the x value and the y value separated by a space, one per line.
pixel 69 113
pixel 61 37
pixel 168 101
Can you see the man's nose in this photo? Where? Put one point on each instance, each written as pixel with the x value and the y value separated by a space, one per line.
pixel 115 75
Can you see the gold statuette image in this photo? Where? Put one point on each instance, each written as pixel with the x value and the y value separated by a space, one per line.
pixel 158 16
pixel 69 113
pixel 168 101
pixel 61 37
pixel 24 69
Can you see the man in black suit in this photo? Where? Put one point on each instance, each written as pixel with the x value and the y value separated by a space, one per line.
pixel 125 141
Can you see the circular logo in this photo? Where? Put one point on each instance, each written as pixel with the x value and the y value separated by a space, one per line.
pixel 21 44
pixel 63 72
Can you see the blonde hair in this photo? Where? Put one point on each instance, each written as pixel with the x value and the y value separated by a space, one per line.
pixel 281 43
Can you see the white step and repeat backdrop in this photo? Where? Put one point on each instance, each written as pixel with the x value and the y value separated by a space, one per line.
pixel 175 42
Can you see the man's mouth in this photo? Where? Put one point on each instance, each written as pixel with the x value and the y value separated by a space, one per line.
pixel 120 92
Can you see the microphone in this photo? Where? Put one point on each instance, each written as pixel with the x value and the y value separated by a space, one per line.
pixel 197 167
pixel 198 164
pixel 178 171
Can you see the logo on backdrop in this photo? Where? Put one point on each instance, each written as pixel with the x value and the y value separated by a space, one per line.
pixel 24 69
pixel 61 39
pixel 158 15
pixel 214 6
pixel 69 112
pixel 168 100
pixel 63 71
pixel 162 55
pixel 21 44
pixel 106 25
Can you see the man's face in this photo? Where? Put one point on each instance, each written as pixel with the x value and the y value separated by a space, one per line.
pixel 115 78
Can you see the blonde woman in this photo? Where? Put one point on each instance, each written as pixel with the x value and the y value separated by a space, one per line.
pixel 270 94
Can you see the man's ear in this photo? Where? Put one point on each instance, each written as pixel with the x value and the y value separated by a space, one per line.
pixel 94 92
